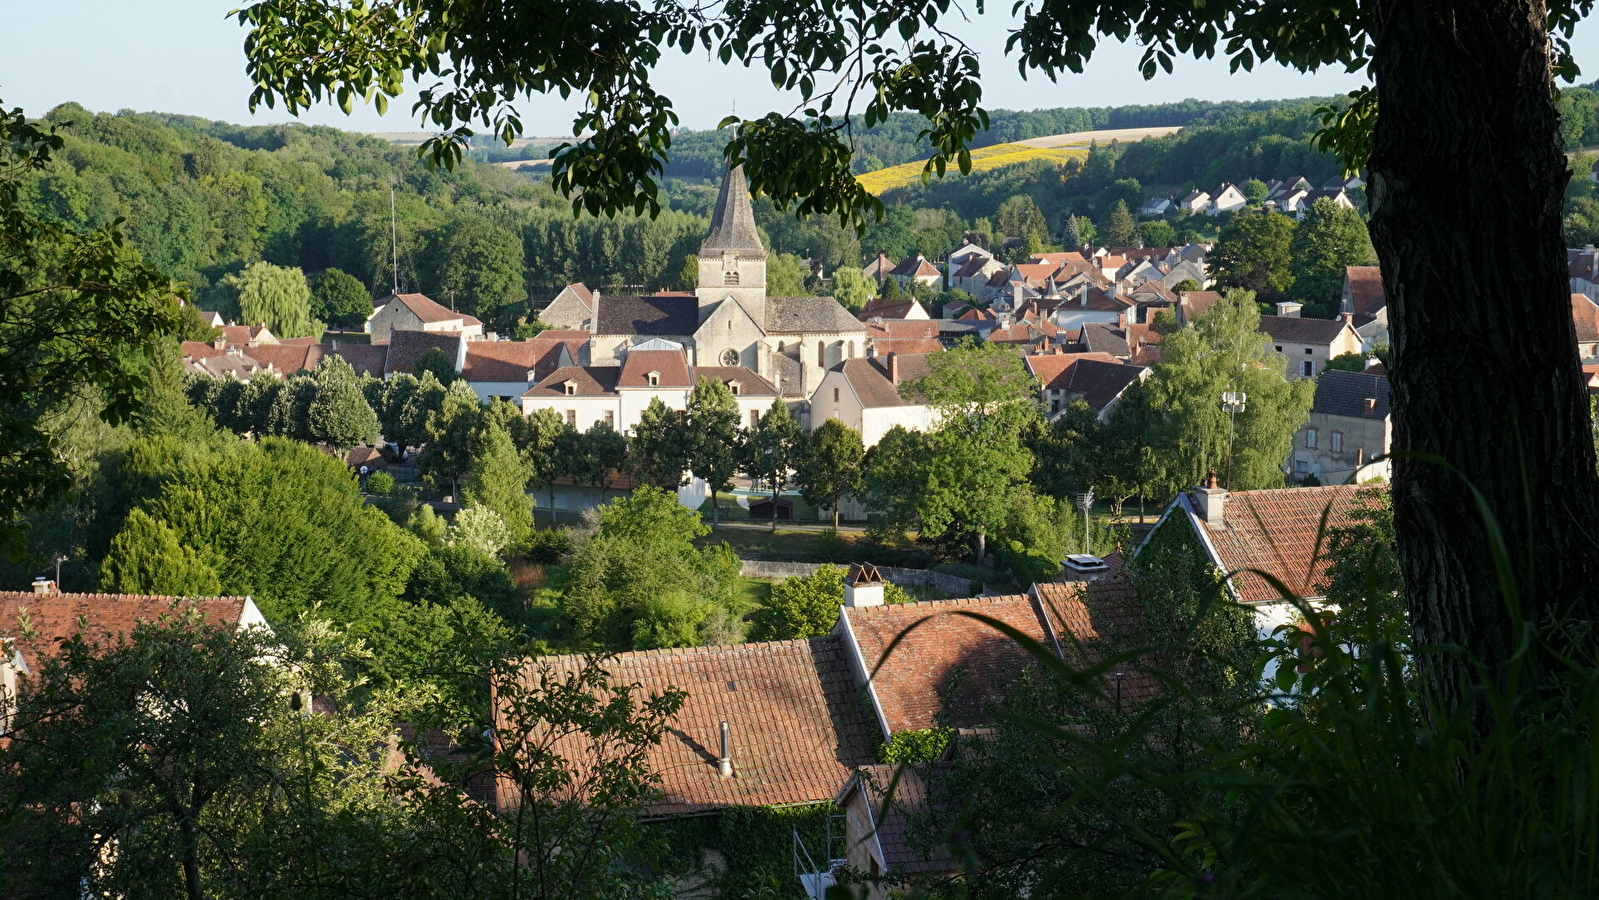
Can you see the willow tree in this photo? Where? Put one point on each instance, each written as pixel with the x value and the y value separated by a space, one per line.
pixel 1465 175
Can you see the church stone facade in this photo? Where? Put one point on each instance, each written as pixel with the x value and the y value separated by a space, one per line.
pixel 729 320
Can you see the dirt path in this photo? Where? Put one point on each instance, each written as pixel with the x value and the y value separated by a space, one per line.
pixel 1103 136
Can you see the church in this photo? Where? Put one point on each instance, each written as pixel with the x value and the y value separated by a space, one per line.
pixel 729 320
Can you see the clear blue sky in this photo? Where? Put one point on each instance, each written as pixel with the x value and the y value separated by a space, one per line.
pixel 183 56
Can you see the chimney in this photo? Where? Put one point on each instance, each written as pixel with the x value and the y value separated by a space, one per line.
pixel 1082 294
pixel 1371 404
pixel 43 585
pixel 1082 567
pixel 1211 499
pixel 1121 320
pixel 863 586
pixel 724 763
pixel 1289 309
pixel 893 368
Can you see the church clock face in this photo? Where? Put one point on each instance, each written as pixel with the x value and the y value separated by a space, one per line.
pixel 729 357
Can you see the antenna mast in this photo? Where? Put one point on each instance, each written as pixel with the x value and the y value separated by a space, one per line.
pixel 394 243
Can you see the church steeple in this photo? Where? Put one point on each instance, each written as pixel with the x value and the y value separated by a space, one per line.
pixel 733 222
pixel 732 262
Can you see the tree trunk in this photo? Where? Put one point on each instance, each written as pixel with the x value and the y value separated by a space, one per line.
pixel 982 548
pixel 774 507
pixel 1466 185
pixel 836 502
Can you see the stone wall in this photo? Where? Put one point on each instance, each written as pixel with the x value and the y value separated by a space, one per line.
pixel 953 585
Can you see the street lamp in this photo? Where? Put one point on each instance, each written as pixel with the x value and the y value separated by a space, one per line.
pixel 60 558
pixel 1233 402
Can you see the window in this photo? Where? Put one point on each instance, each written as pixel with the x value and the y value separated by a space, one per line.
pixel 835 395
pixel 734 387
pixel 1307 368
pixel 571 388
pixel 1307 351
pixel 1337 441
pixel 730 356
pixel 571 417
pixel 655 379
pixel 1310 438
pixel 730 278
pixel 821 357
pixel 1279 348
pixel 610 419
pixel 755 417
pixel 851 349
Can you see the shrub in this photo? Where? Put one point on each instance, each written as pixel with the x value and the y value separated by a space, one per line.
pixel 380 484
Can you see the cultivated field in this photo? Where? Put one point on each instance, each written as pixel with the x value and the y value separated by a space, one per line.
pixel 1060 147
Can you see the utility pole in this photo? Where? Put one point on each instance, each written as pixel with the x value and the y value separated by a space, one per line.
pixel 60 558
pixel 1085 500
pixel 1233 402
pixel 394 238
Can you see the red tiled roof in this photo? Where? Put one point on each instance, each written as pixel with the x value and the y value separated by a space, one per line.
pixel 1586 317
pixel 287 358
pixel 887 308
pixel 670 365
pixel 868 378
pixel 1197 303
pixel 406 348
pixel 1058 259
pixel 1277 531
pixel 902 329
pixel 55 616
pixel 1100 619
pixel 201 350
pixel 748 381
pixel 365 359
pixel 590 381
pixel 915 267
pixel 911 686
pixel 426 310
pixel 509 360
pixel 237 334
pixel 893 816
pixel 797 725
pixel 1052 369
pixel 1366 293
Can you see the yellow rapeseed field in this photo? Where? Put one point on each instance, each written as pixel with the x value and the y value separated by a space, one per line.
pixel 984 158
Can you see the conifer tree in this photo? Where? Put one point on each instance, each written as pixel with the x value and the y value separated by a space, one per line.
pixel 1120 229
pixel 147 558
pixel 497 480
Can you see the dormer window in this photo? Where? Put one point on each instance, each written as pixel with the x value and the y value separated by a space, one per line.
pixel 655 379
pixel 734 387
pixel 571 388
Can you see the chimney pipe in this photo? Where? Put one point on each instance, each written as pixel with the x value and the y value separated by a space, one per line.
pixel 893 368
pixel 724 763
pixel 1371 404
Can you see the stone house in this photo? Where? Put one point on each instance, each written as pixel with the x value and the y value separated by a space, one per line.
pixel 1307 344
pixel 1097 379
pixel 415 312
pixel 1350 425
pixel 572 308
pixel 1366 303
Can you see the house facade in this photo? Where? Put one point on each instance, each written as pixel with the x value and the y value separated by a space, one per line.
pixel 866 395
pixel 415 312
pixel 1350 425
pixel 1307 344
pixel 616 396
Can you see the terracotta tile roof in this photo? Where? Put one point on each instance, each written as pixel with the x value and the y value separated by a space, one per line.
pixel 748 381
pixel 406 347
pixel 201 350
pixel 797 724
pixel 1099 299
pixel 915 267
pixel 425 309
pixel 287 359
pixel 365 359
pixel 1366 294
pixel 868 378
pixel 670 366
pixel 237 334
pixel 1100 619
pixel 947 652
pixel 879 267
pixel 977 315
pixel 1585 315
pixel 902 329
pixel 590 381
pixel 55 616
pixel 673 316
pixel 1053 369
pixel 510 360
pixel 892 819
pixel 1340 393
pixel 1277 531
pixel 1300 330
pixel 887 308
pixel 1197 303
pixel 1058 259
pixel 907 346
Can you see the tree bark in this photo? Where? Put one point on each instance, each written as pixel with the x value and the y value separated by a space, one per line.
pixel 1466 185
